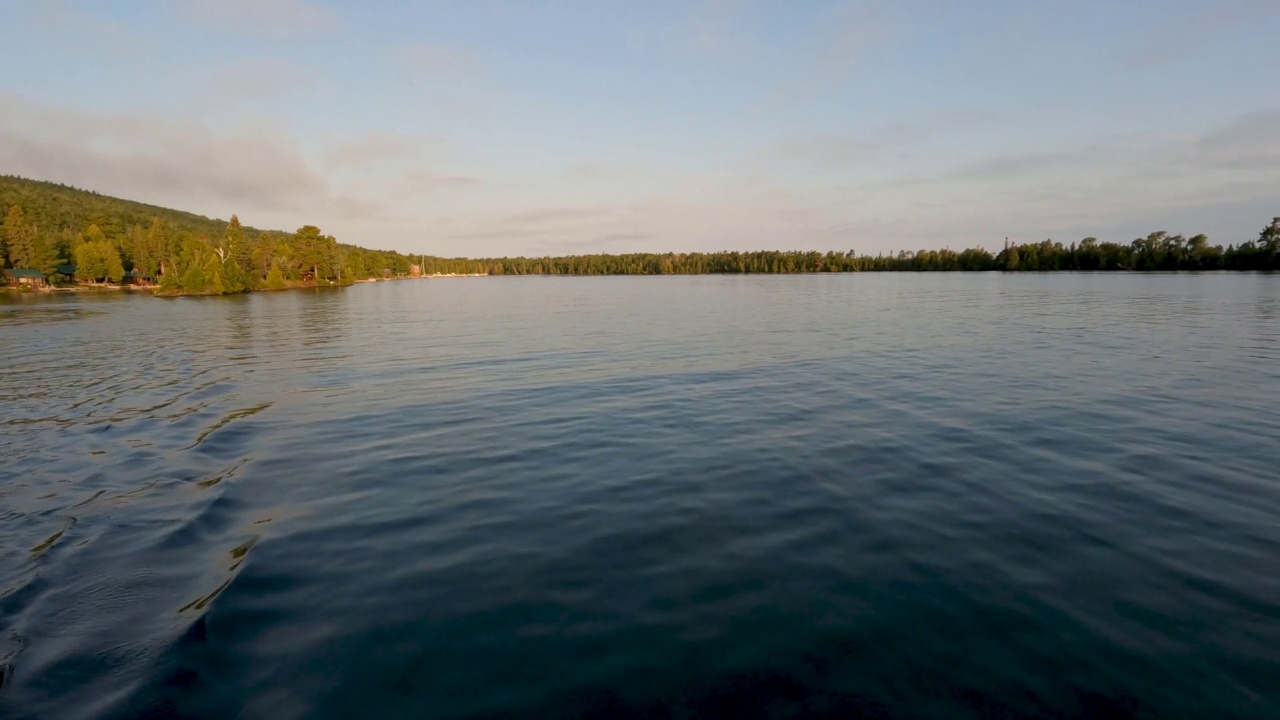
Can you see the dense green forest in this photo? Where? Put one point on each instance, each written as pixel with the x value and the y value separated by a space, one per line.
pixel 48 225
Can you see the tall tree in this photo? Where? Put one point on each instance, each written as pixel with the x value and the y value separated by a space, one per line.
pixel 158 248
pixel 1269 244
pixel 99 260
pixel 20 237
pixel 309 244
pixel 93 233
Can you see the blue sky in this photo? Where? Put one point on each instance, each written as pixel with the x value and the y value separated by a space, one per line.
pixel 496 127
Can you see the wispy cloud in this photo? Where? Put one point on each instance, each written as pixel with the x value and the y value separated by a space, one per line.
pixel 274 17
pixel 376 148
pixel 107 35
pixel 1251 142
pixel 452 78
pixel 1181 35
pixel 849 30
pixel 842 37
pixel 543 227
pixel 179 161
pixel 619 238
pixel 259 79
pixel 1247 144
pixel 1120 184
pixel 553 215
pixel 717 26
pixel 834 151
pixel 440 59
pixel 423 181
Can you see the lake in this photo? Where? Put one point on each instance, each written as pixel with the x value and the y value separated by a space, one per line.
pixel 876 495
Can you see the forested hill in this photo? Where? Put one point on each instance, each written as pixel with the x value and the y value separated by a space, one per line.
pixel 54 208
pixel 47 225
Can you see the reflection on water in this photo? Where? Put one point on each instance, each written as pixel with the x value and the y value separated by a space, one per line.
pixel 885 496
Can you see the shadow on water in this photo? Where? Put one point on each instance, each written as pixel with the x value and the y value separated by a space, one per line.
pixel 20 315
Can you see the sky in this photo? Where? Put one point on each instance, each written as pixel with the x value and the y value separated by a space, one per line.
pixel 498 127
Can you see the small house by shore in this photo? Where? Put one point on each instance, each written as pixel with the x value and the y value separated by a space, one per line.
pixel 29 277
pixel 138 278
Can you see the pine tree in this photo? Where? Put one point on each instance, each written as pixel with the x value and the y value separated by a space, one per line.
pixel 99 260
pixel 45 258
pixel 20 239
pixel 308 244
pixel 275 279
pixel 93 233
pixel 240 253
pixel 159 250
pixel 1269 244
pixel 88 263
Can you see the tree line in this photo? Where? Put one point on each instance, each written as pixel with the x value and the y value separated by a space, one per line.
pixel 49 225
pixel 185 262
pixel 1157 251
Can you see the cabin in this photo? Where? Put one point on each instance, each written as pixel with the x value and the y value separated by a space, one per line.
pixel 308 276
pixel 26 276
pixel 137 277
pixel 415 271
pixel 67 271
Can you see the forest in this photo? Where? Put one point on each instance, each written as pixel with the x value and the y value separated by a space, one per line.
pixel 49 225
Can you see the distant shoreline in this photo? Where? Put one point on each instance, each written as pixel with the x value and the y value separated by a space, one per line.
pixel 54 233
pixel 157 291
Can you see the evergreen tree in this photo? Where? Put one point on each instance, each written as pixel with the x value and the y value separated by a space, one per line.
pixel 275 279
pixel 1269 245
pixel 99 260
pixel 94 234
pixel 239 257
pixel 158 249
pixel 20 239
pixel 309 245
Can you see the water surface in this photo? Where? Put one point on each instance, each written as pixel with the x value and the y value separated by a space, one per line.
pixel 915 496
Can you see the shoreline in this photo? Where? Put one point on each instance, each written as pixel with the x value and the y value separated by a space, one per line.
pixel 156 291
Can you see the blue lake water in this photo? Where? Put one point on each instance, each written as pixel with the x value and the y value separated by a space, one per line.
pixel 891 496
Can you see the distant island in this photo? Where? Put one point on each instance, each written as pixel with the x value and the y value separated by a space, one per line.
pixel 55 235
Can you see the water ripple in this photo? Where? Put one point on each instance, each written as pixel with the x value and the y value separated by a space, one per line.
pixel 852 496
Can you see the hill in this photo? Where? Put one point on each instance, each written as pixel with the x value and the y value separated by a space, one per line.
pixel 54 208
pixel 47 225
